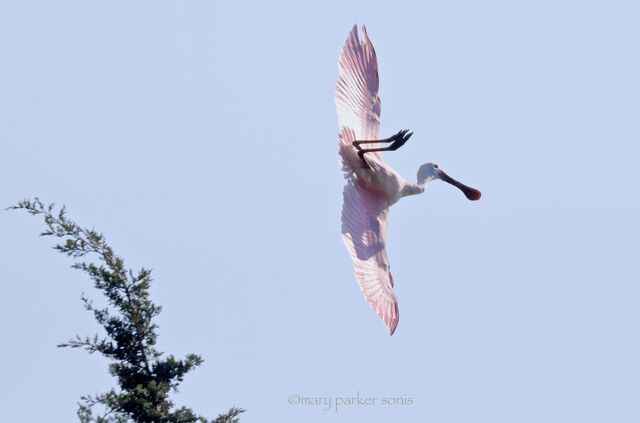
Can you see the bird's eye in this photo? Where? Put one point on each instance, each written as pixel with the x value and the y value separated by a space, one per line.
pixel 435 165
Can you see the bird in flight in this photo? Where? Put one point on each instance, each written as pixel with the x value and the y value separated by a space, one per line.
pixel 372 186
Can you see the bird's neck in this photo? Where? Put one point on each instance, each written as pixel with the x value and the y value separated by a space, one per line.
pixel 413 189
pixel 418 188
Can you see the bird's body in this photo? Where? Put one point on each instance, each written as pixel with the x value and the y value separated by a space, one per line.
pixel 385 182
pixel 372 186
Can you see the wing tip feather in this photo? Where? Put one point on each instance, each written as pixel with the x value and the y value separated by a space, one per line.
pixel 393 324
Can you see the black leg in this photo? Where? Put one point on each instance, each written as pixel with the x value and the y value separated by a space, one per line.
pixel 392 138
pixel 398 140
pixel 364 161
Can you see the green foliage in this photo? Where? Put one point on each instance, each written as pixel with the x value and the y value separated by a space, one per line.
pixel 145 379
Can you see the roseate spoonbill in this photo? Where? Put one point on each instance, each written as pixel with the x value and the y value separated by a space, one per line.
pixel 372 186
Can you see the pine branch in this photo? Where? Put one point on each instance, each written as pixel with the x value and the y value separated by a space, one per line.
pixel 145 379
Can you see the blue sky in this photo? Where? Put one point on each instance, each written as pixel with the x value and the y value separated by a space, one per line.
pixel 200 138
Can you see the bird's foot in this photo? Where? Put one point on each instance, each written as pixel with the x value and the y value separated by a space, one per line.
pixel 397 141
pixel 400 139
pixel 401 135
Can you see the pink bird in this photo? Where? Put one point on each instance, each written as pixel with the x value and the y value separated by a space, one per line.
pixel 372 186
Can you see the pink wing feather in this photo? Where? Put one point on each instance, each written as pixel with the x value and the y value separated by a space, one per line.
pixel 364 214
pixel 364 232
pixel 356 96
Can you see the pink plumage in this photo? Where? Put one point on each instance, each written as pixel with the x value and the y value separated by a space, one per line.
pixel 372 186
pixel 356 96
pixel 364 212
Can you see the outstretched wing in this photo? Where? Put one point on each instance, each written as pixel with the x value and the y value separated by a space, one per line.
pixel 364 232
pixel 356 96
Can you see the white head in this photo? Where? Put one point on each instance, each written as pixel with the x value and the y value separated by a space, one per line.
pixel 430 171
pixel 427 172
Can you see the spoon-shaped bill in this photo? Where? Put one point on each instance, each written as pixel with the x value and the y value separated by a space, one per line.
pixel 471 193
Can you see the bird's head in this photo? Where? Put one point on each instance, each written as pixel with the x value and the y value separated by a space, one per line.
pixel 430 171
pixel 427 172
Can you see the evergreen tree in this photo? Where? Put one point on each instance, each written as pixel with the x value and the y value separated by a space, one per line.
pixel 144 377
